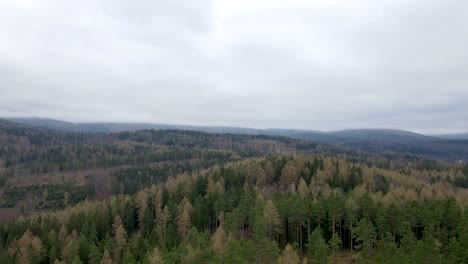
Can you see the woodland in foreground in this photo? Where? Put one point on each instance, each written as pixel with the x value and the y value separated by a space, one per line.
pixel 277 209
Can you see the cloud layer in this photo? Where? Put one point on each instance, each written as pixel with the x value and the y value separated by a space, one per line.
pixel 322 65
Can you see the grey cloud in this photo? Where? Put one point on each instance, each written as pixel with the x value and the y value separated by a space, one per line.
pixel 323 65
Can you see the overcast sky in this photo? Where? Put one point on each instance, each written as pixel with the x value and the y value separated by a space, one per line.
pixel 323 65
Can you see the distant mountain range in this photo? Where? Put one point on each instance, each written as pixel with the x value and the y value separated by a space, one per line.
pixel 443 147
pixel 454 136
pixel 120 127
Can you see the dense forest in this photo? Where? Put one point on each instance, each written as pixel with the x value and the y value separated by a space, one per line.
pixel 440 147
pixel 281 208
pixel 191 197
pixel 98 165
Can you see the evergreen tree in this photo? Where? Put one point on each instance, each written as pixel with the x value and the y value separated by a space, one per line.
pixel 318 247
pixel 365 233
pixel 335 244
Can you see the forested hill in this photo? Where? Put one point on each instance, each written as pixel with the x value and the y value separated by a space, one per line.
pixel 455 136
pixel 21 144
pixel 277 209
pixel 43 169
pixel 451 148
pixel 388 141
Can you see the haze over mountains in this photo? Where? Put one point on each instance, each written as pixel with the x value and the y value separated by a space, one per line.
pixel 389 141
pixel 454 136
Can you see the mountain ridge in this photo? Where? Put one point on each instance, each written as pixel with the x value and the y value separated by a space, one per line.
pixel 384 141
pixel 132 126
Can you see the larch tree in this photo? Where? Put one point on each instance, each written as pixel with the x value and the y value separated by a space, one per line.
pixel 253 172
pixel 27 247
pixel 106 258
pixel 302 188
pixel 141 200
pixel 289 174
pixel 306 173
pixel 272 219
pixel 120 235
pixel 155 257
pixel 183 221
pixel 289 256
pixel 219 241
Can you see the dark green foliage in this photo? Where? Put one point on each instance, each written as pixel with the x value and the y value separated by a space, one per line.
pixel 318 247
pixel 55 195
pixel 240 252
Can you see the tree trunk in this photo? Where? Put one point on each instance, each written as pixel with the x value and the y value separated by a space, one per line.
pixel 351 237
pixel 300 236
pixel 269 232
pixel 333 225
pixel 308 234
pixel 297 235
pixel 341 235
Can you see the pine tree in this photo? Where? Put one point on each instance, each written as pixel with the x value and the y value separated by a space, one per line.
pixel 94 256
pixel 128 257
pixel 318 247
pixel 52 254
pixel 351 211
pixel 335 244
pixel 365 233
pixel 76 260
pixel 427 251
pixel 84 249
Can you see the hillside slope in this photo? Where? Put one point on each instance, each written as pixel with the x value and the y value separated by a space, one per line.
pixel 86 165
pixel 380 141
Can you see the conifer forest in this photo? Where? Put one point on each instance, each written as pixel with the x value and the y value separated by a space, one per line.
pixel 173 196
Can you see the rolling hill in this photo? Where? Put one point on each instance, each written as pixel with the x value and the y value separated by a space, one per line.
pixel 452 148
